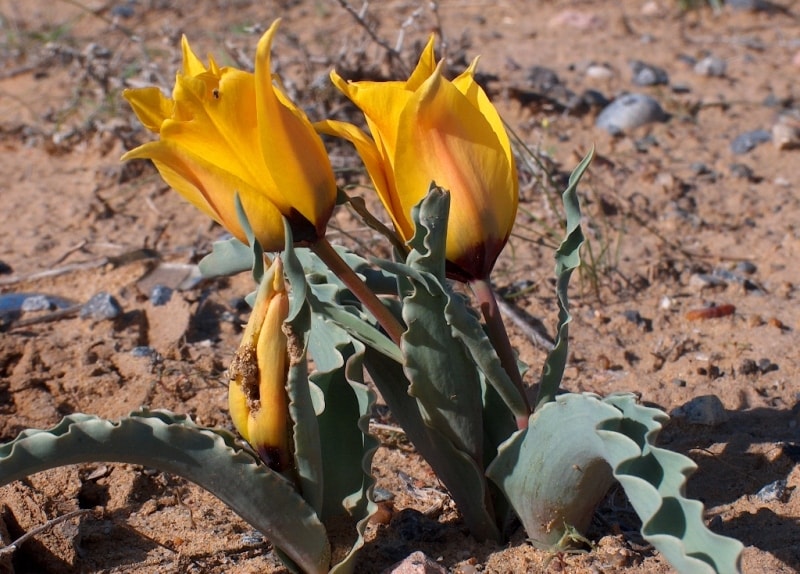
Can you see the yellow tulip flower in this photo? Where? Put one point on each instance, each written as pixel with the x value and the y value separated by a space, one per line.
pixel 257 398
pixel 226 131
pixel 431 129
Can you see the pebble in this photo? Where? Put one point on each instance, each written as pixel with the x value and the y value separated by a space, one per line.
pixel 594 99
pixel 751 5
pixel 647 75
pixel 628 112
pixel 143 352
pixel 765 366
pixel 36 303
pixel 704 410
pixel 251 538
pixel 711 66
pixel 748 367
pixel 160 295
pixel 745 142
pixel 681 89
pixel 776 491
pixel 732 277
pixel 382 495
pixel 747 267
pixel 416 563
pixel 785 136
pixel 704 281
pixel 101 306
pixel 742 171
pixel 5 268
pixel 542 79
pixel 599 72
pixel 123 10
pixel 17 302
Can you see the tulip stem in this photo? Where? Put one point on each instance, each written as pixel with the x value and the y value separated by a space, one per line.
pixel 352 281
pixel 498 335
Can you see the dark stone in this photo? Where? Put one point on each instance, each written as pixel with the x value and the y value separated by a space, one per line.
pixel 648 75
pixel 160 295
pixel 745 142
pixel 101 306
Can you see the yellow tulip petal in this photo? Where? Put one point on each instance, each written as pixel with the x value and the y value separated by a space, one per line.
pixel 376 168
pixel 192 65
pixel 150 105
pixel 443 137
pixel 425 67
pixel 212 190
pixel 466 84
pixel 223 125
pixel 382 103
pixel 268 424
pixel 299 164
pixel 237 405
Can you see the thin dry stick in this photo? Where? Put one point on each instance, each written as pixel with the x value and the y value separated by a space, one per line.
pixel 39 529
pixel 524 325
pixel 361 21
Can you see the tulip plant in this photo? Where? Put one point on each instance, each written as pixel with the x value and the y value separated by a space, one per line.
pixel 234 145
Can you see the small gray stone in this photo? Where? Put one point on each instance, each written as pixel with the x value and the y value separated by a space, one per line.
pixel 742 171
pixel 711 66
pixel 747 267
pixel 36 303
pixel 776 491
pixel 542 79
pixel 647 75
pixel 766 366
pixel 753 5
pixel 594 99
pixel 101 306
pixel 416 563
pixel 705 281
pixel 382 495
pixel 599 72
pixel 628 112
pixel 748 367
pixel 745 142
pixel 160 295
pixel 786 136
pixel 251 538
pixel 703 410
pixel 143 352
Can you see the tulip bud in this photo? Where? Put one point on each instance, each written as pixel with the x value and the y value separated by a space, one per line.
pixel 257 397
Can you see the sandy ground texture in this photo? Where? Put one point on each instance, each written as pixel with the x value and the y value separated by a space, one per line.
pixel 700 209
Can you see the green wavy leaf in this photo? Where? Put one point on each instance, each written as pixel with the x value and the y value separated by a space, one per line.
pixel 567 260
pixel 174 444
pixel 557 470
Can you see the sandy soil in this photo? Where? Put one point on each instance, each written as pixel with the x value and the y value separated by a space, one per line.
pixel 676 221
